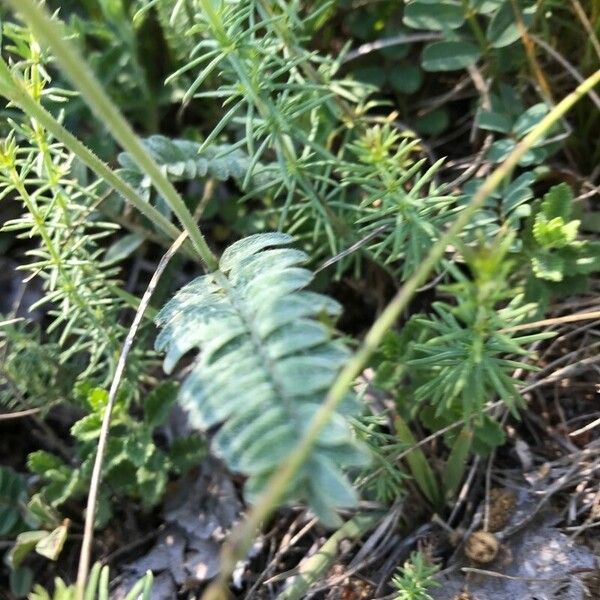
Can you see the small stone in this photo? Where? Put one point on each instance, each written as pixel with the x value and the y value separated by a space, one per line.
pixel 482 547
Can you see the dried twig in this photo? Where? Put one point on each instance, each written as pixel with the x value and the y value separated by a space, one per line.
pixel 397 40
pixel 19 414
pixel 559 58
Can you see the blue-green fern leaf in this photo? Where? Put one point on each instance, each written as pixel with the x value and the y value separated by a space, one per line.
pixel 185 160
pixel 266 362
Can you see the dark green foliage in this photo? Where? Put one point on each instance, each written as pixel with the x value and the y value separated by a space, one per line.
pixel 504 210
pixel 13 496
pixel 296 135
pixel 408 219
pixel 135 466
pixel 32 374
pixel 266 360
pixel 453 361
pixel 461 24
pixel 559 259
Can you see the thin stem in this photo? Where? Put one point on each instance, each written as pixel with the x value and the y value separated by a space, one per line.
pixel 90 514
pixel 592 37
pixel 52 33
pixel 311 569
pixel 88 532
pixel 241 538
pixel 586 316
pixel 475 28
pixel 20 414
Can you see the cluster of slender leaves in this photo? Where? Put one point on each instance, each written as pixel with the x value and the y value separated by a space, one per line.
pixel 389 485
pixel 281 100
pixel 415 579
pixel 400 204
pixel 32 374
pixel 305 140
pixel 454 360
pixel 506 209
pixel 97 587
pixel 127 54
pixel 59 199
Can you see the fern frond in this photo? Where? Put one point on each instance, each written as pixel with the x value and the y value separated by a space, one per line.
pixel 185 160
pixel 265 364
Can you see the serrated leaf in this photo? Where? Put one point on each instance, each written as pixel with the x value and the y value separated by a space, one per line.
pixel 554 233
pixel 158 404
pixel 97 398
pixel 187 452
pixel 87 428
pixel 558 202
pixel 449 55
pixel 138 448
pixel 41 462
pixel 548 266
pixel 152 478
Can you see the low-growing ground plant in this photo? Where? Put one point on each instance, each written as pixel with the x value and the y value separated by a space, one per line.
pixel 310 241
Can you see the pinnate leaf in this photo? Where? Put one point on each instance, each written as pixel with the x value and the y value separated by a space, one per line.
pixel 266 362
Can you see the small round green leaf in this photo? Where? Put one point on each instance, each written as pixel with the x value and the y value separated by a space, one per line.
pixel 449 56
pixel 494 121
pixel 372 75
pixel 503 29
pixel 406 79
pixel 529 119
pixel 486 7
pixel 434 122
pixel 444 14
